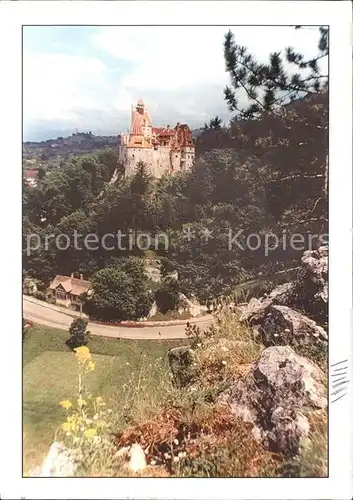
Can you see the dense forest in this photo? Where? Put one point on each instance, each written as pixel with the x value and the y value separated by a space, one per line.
pixel 263 173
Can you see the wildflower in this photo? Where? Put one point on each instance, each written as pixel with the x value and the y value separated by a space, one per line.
pixel 82 354
pixel 66 404
pixel 90 433
pixel 224 363
pixel 66 426
pixel 176 441
pixel 91 366
pixel 153 462
pixel 175 459
pixel 99 399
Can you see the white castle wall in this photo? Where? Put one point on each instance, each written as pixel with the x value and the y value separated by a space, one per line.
pixel 160 160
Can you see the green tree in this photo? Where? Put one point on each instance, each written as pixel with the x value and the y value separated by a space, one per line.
pixel 284 116
pixel 120 293
pixel 78 333
pixel 268 86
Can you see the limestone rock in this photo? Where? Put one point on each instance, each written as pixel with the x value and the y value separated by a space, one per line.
pixel 285 326
pixel 192 305
pixel 256 310
pixel 312 283
pixel 137 461
pixel 180 361
pixel 153 310
pixel 59 462
pixel 274 395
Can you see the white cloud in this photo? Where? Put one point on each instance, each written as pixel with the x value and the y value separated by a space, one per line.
pixel 178 71
pixel 56 84
pixel 166 58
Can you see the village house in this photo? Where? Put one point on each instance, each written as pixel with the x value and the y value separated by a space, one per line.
pixel 67 290
pixel 31 177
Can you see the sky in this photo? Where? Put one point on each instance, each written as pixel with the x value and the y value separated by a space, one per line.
pixel 86 78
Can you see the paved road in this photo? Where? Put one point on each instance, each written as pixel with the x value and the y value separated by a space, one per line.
pixel 40 314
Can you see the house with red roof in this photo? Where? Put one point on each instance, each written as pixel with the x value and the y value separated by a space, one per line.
pixel 67 290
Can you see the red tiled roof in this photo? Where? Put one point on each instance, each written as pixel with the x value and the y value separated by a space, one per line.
pixel 31 173
pixel 73 285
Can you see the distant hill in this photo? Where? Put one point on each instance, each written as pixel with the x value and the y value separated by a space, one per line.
pixel 54 152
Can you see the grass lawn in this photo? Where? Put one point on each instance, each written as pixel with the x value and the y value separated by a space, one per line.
pixel 50 375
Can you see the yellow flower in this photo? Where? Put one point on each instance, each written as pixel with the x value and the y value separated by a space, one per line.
pixel 66 426
pixel 91 366
pixel 99 399
pixel 66 404
pixel 82 354
pixel 89 433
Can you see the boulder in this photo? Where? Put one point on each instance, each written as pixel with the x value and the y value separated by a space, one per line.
pixel 133 456
pixel 256 310
pixel 137 458
pixel 274 396
pixel 284 326
pixel 190 304
pixel 312 283
pixel 180 361
pixel 308 292
pixel 59 462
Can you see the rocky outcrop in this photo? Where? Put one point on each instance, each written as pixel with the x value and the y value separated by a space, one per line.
pixel 308 292
pixel 312 283
pixel 192 305
pixel 255 311
pixel 59 462
pixel 277 392
pixel 276 317
pixel 285 326
pixel 180 361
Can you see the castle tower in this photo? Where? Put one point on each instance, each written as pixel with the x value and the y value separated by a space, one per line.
pixel 163 149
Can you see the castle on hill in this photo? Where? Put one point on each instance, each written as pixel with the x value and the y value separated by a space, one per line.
pixel 163 149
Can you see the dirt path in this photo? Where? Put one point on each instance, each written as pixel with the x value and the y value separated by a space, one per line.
pixel 41 314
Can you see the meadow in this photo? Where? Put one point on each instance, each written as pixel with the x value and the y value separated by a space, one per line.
pixel 131 375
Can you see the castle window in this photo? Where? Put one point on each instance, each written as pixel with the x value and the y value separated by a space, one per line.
pixel 133 156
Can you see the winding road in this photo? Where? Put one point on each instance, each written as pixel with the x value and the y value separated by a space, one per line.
pixel 43 314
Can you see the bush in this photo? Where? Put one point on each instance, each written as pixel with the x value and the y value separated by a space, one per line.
pixel 78 333
pixel 40 295
pixel 223 350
